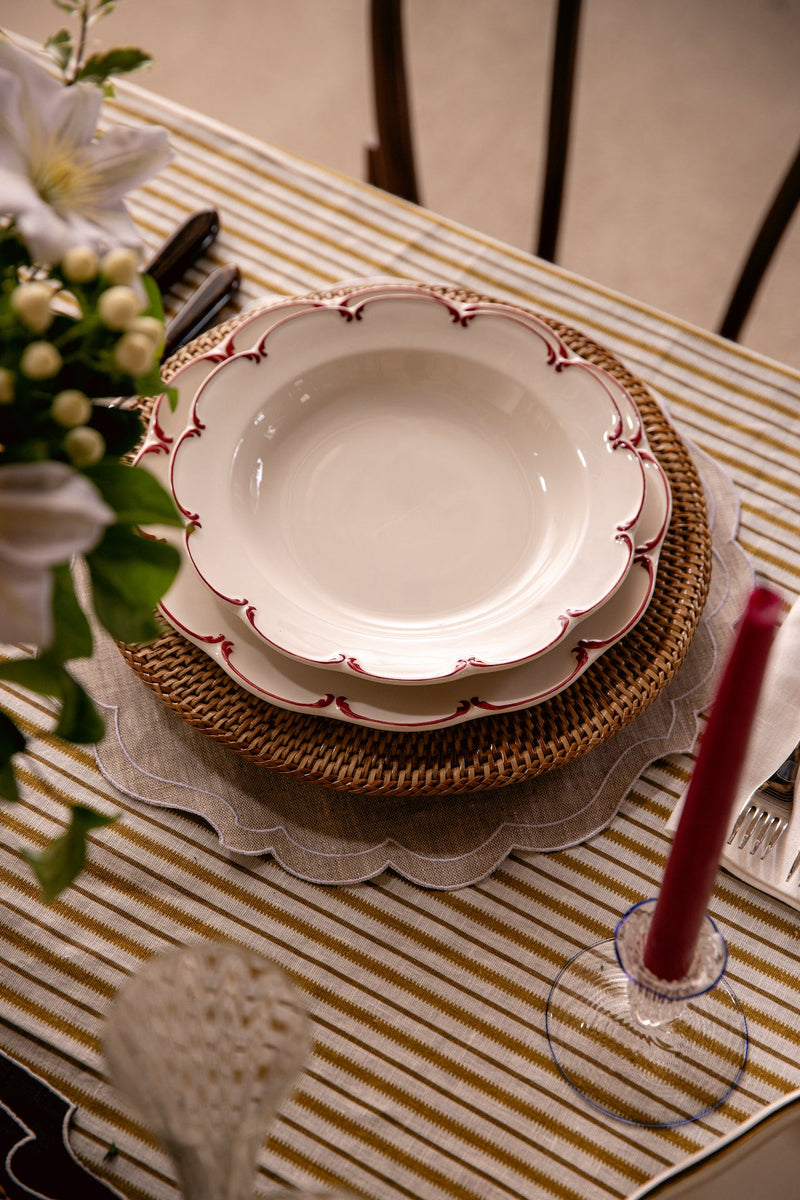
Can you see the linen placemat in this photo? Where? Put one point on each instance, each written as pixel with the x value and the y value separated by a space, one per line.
pixel 324 836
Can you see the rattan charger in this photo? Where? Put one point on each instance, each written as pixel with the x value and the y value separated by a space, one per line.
pixel 488 752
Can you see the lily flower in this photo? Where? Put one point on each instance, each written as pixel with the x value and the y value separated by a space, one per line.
pixel 61 182
pixel 48 513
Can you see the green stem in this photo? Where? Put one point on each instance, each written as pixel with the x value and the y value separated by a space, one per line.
pixel 77 61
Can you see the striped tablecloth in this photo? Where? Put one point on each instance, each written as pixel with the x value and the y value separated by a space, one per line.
pixel 430 1075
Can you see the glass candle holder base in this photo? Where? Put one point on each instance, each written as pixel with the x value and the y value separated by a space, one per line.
pixel 640 1049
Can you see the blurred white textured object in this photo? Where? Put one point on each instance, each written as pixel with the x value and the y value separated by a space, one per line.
pixel 207 1040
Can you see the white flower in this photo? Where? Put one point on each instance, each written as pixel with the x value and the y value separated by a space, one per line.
pixel 63 185
pixel 84 445
pixel 31 302
pixel 118 306
pixel 150 327
pixel 134 353
pixel 80 264
pixel 121 266
pixel 48 512
pixel 40 360
pixel 70 408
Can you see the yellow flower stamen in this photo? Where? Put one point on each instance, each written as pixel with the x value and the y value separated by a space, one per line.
pixel 63 176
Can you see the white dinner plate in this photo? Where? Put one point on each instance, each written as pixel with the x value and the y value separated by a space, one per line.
pixel 409 489
pixel 209 623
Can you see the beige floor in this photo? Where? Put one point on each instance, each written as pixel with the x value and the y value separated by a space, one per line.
pixel 686 115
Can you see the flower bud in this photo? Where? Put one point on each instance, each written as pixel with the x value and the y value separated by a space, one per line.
pixel 118 306
pixel 84 445
pixel 40 360
pixel 79 264
pixel 6 386
pixel 31 302
pixel 134 354
pixel 71 408
pixel 151 327
pixel 120 266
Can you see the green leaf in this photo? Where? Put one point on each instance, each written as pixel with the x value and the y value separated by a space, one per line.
pixel 59 47
pixel 155 303
pixel 13 251
pixel 79 721
pixel 135 495
pixel 130 573
pixel 150 384
pixel 8 783
pixel 120 427
pixel 43 675
pixel 73 634
pixel 104 8
pixel 12 741
pixel 98 67
pixel 63 859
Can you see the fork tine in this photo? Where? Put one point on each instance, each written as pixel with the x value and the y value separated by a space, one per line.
pixel 772 832
pixel 793 867
pixel 761 825
pixel 765 829
pixel 743 820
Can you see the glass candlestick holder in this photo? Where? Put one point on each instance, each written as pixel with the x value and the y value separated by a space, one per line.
pixel 641 1049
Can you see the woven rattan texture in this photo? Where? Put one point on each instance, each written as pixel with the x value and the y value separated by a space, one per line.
pixel 492 751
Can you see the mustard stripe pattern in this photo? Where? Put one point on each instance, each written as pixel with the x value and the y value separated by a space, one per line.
pixel 430 1076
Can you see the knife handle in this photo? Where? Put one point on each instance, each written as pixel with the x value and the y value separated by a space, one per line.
pixel 202 306
pixel 182 248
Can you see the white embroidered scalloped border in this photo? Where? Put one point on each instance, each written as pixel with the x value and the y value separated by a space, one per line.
pixel 252 809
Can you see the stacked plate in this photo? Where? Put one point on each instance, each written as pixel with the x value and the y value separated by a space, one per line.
pixel 403 511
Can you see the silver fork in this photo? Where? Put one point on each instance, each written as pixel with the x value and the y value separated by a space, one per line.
pixel 764 819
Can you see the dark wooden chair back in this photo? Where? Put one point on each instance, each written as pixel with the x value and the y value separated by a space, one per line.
pixel 391 160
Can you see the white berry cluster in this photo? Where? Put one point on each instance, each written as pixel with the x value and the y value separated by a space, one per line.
pixel 78 335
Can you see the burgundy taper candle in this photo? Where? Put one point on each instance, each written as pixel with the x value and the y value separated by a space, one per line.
pixel 693 863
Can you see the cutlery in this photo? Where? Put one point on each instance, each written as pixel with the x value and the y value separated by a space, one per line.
pixel 182 248
pixel 192 318
pixel 763 821
pixel 202 306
